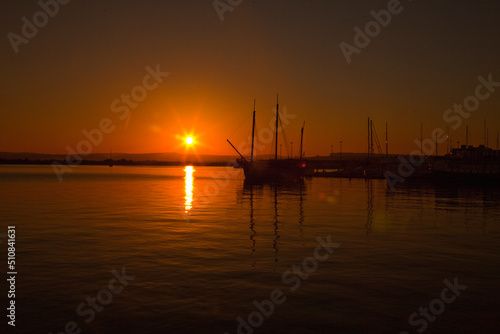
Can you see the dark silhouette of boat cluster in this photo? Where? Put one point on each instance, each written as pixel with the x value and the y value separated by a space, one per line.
pixel 463 165
pixel 272 170
pixel 477 164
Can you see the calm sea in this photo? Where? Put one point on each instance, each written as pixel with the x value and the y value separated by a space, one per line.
pixel 198 251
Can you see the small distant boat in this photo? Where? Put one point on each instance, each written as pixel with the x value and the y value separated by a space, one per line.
pixel 271 170
pixel 468 163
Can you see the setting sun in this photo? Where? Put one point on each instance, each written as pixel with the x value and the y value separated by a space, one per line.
pixel 189 140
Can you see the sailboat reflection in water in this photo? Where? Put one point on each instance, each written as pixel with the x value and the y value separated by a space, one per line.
pixel 279 196
pixel 188 181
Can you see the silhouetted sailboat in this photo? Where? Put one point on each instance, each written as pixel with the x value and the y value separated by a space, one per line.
pixel 272 170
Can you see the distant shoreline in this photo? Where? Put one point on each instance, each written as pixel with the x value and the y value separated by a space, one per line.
pixel 195 161
pixel 116 163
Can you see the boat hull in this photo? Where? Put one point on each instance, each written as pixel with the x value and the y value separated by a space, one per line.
pixel 279 171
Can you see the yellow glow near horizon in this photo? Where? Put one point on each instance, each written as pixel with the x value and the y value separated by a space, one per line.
pixel 189 140
pixel 188 198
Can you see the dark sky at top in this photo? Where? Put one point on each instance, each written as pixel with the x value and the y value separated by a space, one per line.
pixel 66 77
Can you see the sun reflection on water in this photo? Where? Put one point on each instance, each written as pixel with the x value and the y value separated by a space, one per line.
pixel 188 181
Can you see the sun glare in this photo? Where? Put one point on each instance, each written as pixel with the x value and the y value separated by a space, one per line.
pixel 189 140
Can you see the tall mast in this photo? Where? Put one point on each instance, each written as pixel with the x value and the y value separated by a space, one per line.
pixel 467 136
pixel 436 144
pixel 341 150
pixel 386 141
pixel 485 134
pixel 371 137
pixel 277 119
pixel 447 139
pixel 253 130
pixel 301 139
pixel 421 139
pixel 369 150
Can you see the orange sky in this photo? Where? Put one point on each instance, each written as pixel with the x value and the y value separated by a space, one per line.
pixel 64 80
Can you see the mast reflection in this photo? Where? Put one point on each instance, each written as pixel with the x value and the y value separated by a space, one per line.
pixel 369 207
pixel 279 196
pixel 188 182
pixel 301 215
pixel 276 221
pixel 252 225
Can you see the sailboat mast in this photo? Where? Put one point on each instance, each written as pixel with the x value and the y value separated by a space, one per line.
pixel 277 120
pixel 437 146
pixel 368 137
pixel 386 141
pixel 371 137
pixel 253 130
pixel 466 136
pixel 421 139
pixel 448 139
pixel 485 134
pixel 301 139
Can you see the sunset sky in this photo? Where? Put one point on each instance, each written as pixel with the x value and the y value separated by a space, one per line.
pixel 65 78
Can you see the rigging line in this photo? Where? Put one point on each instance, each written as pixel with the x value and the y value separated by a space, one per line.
pixel 248 138
pixel 246 142
pixel 232 134
pixel 257 145
pixel 271 148
pixel 284 136
pixel 376 140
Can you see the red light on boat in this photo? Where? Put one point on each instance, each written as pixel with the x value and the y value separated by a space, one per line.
pixel 304 165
